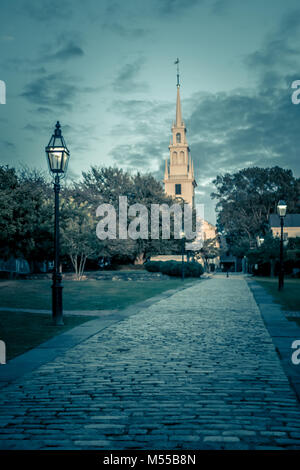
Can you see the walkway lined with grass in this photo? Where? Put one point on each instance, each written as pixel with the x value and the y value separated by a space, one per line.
pixel 289 297
pixel 82 295
pixel 196 370
pixel 25 328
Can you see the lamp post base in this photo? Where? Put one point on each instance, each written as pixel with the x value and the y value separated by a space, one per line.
pixel 57 307
pixel 280 282
pixel 281 269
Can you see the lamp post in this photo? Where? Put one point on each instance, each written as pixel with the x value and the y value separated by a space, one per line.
pixel 58 157
pixel 281 211
pixel 182 236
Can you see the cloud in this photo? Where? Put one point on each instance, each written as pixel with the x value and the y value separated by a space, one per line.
pixel 51 90
pixel 32 128
pixel 125 32
pixel 54 90
pixel 70 51
pixel 229 131
pixel 48 10
pixel 43 110
pixel 172 7
pixel 7 145
pixel 220 7
pixel 139 156
pixel 279 51
pixel 140 110
pixel 126 77
pixel 124 19
pixel 276 51
pixel 146 145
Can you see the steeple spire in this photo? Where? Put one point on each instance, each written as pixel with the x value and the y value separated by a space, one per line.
pixel 178 110
pixel 177 63
pixel 178 104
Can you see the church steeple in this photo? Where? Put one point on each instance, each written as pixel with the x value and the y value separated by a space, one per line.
pixel 179 174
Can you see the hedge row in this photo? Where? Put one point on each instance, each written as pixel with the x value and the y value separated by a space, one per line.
pixel 174 268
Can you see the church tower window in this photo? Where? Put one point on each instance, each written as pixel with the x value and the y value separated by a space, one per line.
pixel 177 189
pixel 178 138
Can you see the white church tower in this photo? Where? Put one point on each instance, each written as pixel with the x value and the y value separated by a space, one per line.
pixel 179 177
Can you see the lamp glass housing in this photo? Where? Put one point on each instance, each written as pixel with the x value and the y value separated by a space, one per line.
pixel 58 159
pixel 281 208
pixel 57 153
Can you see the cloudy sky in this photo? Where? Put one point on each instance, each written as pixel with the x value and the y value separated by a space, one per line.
pixel 106 70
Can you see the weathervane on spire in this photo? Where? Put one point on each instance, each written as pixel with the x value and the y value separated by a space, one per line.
pixel 177 63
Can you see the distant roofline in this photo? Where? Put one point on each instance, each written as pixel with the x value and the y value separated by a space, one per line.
pixel 290 220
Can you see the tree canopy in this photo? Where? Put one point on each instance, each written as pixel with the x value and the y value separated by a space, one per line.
pixel 246 199
pixel 27 216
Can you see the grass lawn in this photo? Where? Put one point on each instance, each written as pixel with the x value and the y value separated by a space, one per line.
pixel 83 295
pixel 289 297
pixel 24 331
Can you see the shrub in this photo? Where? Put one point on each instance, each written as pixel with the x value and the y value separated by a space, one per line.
pixel 153 266
pixel 174 268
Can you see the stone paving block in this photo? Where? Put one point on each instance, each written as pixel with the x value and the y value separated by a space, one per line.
pixel 221 439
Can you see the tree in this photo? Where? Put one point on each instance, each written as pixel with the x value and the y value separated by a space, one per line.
pixel 78 235
pixel 208 251
pixel 25 215
pixel 8 211
pixel 247 198
pixel 105 185
pixel 293 252
pixel 267 252
pixel 35 216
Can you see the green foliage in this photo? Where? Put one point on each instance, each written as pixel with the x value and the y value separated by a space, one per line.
pixel 8 211
pixel 174 268
pixel 105 185
pixel 248 197
pixel 293 251
pixel 269 250
pixel 25 215
pixel 294 243
pixel 209 250
pixel 78 232
pixel 266 253
pixel 153 266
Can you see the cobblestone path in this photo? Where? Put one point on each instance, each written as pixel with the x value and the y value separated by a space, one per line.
pixel 197 370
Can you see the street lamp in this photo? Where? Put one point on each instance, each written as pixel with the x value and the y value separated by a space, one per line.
pixel 58 157
pixel 182 236
pixel 281 211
